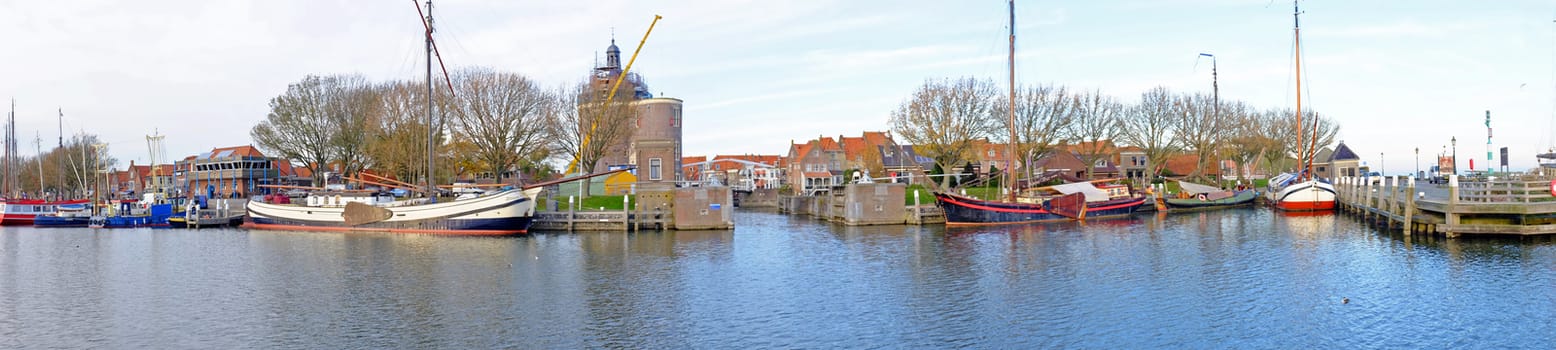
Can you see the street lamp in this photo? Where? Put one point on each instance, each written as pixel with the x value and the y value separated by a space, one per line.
pixel 1418 161
pixel 1381 172
pixel 1455 142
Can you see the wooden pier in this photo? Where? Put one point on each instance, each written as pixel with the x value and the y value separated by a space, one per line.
pixel 1510 204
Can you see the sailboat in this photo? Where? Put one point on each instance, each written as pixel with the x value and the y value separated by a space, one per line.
pixel 503 212
pixel 1301 191
pixel 1080 200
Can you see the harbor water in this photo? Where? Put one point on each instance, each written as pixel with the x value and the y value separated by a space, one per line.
pixel 1243 278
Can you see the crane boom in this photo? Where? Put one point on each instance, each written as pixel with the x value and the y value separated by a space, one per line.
pixel 612 96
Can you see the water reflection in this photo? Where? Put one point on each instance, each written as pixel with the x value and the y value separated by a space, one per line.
pixel 1245 278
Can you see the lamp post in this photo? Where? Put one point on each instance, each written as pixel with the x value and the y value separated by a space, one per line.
pixel 1380 165
pixel 1455 142
pixel 1418 162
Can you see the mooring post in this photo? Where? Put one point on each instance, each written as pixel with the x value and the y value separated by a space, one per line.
pixel 1395 183
pixel 918 216
pixel 572 214
pixel 1451 215
pixel 626 214
pixel 1345 193
pixel 1408 217
pixel 1367 191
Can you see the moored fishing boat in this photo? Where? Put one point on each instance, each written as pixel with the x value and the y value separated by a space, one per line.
pixel 1203 197
pixel 1290 192
pixel 502 213
pixel 1301 191
pixel 1079 201
pixel 961 210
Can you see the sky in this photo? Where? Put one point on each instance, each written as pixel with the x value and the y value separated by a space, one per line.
pixel 757 75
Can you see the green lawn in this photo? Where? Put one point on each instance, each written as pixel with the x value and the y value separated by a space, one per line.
pixel 591 203
pixel 924 195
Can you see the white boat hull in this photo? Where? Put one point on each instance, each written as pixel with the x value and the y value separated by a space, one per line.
pixel 1310 195
pixel 503 213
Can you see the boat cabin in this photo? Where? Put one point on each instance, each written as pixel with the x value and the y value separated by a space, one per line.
pixel 340 198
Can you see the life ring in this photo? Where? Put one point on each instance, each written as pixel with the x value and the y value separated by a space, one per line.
pixel 1201 196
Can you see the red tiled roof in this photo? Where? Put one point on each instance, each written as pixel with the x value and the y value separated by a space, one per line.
pixel 876 138
pixel 853 147
pixel 817 174
pixel 141 171
pixel 828 144
pixel 240 151
pixel 984 147
pixel 1183 164
pixel 690 160
pixel 1107 147
pixel 800 150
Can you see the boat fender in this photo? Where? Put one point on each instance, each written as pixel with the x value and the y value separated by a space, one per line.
pixel 1201 196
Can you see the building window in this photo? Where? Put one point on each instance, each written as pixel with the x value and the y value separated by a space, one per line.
pixel 654 165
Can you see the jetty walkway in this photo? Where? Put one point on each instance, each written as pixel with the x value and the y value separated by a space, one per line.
pixel 1509 204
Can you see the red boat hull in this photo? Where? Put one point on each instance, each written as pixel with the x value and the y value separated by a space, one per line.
pixel 1305 206
pixel 17 219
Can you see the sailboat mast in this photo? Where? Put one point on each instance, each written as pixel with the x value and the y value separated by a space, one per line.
pixel 37 147
pixel 1010 125
pixel 10 134
pixel 431 133
pixel 1302 149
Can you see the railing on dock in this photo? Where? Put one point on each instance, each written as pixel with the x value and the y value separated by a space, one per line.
pixel 1512 204
pixel 1510 189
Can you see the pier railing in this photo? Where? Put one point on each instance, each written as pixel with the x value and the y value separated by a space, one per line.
pixel 1510 189
pixel 1512 204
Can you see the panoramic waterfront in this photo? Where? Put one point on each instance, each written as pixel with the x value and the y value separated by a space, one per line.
pixel 1245 278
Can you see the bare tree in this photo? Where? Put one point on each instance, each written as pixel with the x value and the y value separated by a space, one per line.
pixel 1042 114
pixel 1201 128
pixel 588 126
pixel 1150 126
pixel 944 118
pixel 352 109
pixel 1310 141
pixel 503 114
pixel 299 126
pixel 398 142
pixel 1097 120
pixel 1246 144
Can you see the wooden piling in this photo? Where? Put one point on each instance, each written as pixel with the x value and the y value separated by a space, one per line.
pixel 1450 218
pixel 1408 216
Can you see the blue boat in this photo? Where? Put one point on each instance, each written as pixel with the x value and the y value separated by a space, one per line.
pixel 65 215
pixel 157 216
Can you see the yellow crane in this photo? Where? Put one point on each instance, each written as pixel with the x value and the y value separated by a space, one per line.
pixel 612 96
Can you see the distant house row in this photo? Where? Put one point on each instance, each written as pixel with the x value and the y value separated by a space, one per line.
pixel 815 166
pixel 222 172
pixel 810 167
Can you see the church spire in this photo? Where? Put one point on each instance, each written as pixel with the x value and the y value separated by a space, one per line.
pixel 612 53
